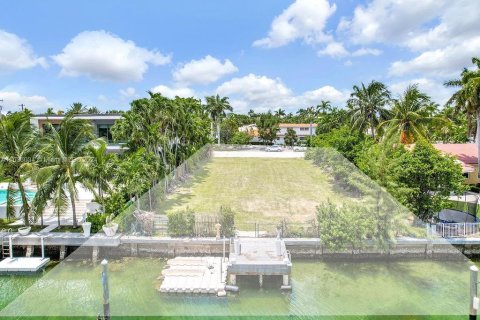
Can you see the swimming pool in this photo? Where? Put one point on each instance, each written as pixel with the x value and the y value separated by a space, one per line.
pixel 3 196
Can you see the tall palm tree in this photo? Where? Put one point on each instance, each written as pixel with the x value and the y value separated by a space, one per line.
pixel 367 106
pixel 310 114
pixel 76 108
pixel 467 98
pixel 50 112
pixel 324 106
pixel 65 162
pixel 99 170
pixel 411 116
pixel 280 113
pixel 216 107
pixel 17 151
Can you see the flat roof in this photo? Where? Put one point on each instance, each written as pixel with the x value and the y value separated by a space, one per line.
pixel 113 116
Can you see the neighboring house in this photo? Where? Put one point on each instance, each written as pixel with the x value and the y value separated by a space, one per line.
pixel 466 154
pixel 101 123
pixel 301 129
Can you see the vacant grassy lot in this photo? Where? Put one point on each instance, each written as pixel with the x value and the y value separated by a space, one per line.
pixel 257 189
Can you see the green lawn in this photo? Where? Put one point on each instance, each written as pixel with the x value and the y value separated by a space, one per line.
pixel 257 189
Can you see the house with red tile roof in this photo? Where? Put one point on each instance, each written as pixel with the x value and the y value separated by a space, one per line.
pixel 467 156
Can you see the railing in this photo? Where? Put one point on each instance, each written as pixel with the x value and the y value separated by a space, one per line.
pixel 456 230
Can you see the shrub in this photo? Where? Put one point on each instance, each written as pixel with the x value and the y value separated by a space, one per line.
pixel 181 223
pixel 98 220
pixel 114 204
pixel 226 217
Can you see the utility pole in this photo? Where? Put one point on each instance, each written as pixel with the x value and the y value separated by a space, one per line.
pixel 22 106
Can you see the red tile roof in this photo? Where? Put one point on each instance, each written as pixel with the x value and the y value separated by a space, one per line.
pixel 465 152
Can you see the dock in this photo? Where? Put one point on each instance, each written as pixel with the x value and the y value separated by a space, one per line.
pixel 23 265
pixel 260 257
pixel 200 275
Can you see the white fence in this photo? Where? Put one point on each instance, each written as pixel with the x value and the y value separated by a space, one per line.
pixel 455 230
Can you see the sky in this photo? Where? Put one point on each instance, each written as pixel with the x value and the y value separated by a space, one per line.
pixel 262 54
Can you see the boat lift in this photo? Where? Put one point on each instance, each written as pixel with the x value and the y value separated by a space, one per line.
pixel 13 264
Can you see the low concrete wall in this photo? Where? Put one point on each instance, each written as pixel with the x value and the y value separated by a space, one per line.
pixel 125 246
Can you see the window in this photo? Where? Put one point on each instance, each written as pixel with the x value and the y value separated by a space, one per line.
pixel 466 174
pixel 104 132
pixel 304 129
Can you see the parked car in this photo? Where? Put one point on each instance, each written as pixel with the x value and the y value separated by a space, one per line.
pixel 274 148
pixel 299 149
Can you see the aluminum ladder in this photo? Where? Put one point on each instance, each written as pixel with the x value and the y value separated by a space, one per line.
pixel 5 242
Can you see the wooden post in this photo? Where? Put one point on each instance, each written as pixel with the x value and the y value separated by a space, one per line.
pixel 106 296
pixel 473 292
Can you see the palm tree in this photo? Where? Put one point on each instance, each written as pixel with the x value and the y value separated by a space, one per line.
pixel 367 106
pixel 99 170
pixel 324 106
pixel 17 150
pixel 412 116
pixel 467 98
pixel 280 113
pixel 309 114
pixel 76 108
pixel 93 110
pixel 216 107
pixel 50 112
pixel 64 150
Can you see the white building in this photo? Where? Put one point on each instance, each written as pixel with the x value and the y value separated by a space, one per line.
pixel 301 129
pixel 101 124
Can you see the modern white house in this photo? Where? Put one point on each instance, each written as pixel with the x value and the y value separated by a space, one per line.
pixel 101 123
pixel 301 129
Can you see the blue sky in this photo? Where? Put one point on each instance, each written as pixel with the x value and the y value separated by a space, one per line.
pixel 262 54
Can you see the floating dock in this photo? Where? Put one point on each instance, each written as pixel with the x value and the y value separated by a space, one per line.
pixel 202 275
pixel 260 257
pixel 20 265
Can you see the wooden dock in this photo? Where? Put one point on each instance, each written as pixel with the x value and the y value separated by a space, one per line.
pixel 260 257
pixel 201 275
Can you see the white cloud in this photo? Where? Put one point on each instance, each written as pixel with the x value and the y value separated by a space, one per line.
pixel 170 92
pixel 389 20
pixel 203 71
pixel 262 93
pixel 304 19
pixel 434 88
pixel 334 50
pixel 102 98
pixel 128 92
pixel 105 56
pixel 256 91
pixel 447 61
pixel 16 53
pixel 327 93
pixel 12 100
pixel 443 34
pixel 366 51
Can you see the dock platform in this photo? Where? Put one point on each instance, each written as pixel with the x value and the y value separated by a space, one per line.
pixel 20 265
pixel 202 275
pixel 260 257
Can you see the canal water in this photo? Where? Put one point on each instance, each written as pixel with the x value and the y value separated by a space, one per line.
pixel 414 287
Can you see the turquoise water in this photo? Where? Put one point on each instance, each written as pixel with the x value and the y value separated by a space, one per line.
pixel 3 196
pixel 421 287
